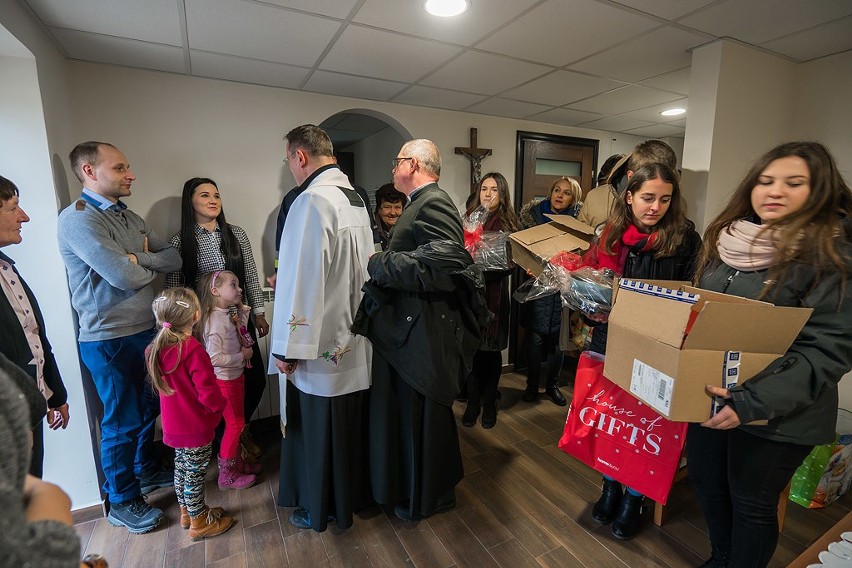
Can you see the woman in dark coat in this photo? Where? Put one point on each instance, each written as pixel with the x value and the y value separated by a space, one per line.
pixel 647 236
pixel 493 195
pixel 545 314
pixel 784 237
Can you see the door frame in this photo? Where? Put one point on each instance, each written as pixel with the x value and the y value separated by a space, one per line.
pixel 519 275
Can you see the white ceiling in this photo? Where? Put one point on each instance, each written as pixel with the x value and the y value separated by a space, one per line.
pixel 603 64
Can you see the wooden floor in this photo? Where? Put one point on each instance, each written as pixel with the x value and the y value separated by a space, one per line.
pixel 523 502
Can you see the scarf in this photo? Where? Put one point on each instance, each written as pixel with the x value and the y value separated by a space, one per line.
pixel 632 239
pixel 742 247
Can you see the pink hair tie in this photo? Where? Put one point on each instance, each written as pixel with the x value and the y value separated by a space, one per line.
pixel 167 325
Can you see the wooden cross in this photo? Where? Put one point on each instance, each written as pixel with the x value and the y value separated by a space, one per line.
pixel 475 155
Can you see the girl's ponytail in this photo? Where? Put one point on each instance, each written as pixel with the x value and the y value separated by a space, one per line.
pixel 175 310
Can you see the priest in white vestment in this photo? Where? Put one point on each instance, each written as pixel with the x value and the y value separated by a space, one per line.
pixel 325 245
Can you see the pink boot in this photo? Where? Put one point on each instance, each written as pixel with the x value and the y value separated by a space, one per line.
pixel 230 476
pixel 247 468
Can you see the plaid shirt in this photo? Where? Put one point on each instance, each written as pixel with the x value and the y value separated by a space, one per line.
pixel 210 258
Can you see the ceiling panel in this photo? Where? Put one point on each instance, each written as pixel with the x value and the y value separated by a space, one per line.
pixel 658 131
pixel 616 123
pixel 507 108
pixel 657 52
pixel 409 17
pixel 275 35
pixel 128 52
pixel 668 9
pixel 232 68
pixel 562 87
pixel 333 8
pixel 561 31
pixel 652 113
pixel 385 55
pixel 624 100
pixel 475 72
pixel 751 22
pixel 352 86
pixel 675 81
pixel 565 116
pixel 153 20
pixel 826 39
pixel 440 98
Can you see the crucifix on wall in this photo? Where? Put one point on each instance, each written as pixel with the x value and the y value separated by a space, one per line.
pixel 475 155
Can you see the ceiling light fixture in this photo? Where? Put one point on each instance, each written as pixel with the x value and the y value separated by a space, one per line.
pixel 673 112
pixel 446 8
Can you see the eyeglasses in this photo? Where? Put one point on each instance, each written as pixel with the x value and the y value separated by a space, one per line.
pixel 397 161
pixel 287 158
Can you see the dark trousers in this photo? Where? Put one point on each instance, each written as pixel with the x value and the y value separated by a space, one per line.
pixel 738 478
pixel 255 377
pixel 37 453
pixel 118 370
pixel 482 382
pixel 539 347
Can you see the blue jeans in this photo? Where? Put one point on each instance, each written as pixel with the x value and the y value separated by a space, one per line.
pixel 130 410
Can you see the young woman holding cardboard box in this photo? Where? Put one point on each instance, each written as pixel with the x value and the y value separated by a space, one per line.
pixel 647 236
pixel 784 237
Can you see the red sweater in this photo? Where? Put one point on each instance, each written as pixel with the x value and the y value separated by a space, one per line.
pixel 191 413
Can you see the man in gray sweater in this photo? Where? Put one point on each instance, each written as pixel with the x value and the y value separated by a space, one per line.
pixel 112 256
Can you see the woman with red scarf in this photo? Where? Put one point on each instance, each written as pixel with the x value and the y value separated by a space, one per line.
pixel 648 237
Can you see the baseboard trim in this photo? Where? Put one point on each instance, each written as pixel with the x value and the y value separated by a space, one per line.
pixel 87 514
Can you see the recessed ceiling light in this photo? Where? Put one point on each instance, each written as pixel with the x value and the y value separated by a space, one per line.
pixel 446 8
pixel 673 112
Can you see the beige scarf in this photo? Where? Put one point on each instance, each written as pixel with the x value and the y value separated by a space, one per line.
pixel 741 246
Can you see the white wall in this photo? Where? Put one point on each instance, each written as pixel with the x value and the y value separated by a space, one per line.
pixel 32 91
pixel 173 127
pixel 823 112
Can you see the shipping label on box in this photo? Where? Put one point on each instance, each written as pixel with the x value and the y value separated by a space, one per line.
pixel 652 386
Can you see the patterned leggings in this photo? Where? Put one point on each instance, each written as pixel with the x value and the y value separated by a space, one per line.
pixel 190 470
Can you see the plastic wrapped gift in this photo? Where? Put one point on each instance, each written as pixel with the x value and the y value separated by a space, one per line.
pixel 489 249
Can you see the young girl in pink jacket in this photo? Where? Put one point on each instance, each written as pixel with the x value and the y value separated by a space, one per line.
pixel 222 327
pixel 190 404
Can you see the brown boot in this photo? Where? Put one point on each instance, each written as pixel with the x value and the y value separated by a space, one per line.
pixel 208 524
pixel 185 520
pixel 250 446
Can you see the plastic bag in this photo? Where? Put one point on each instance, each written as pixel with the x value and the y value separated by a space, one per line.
pixel 589 291
pixel 489 249
pixel 826 474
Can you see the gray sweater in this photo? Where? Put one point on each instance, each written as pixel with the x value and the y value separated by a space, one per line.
pixel 112 295
pixel 42 544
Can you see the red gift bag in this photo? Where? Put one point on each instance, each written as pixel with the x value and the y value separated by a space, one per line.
pixel 616 434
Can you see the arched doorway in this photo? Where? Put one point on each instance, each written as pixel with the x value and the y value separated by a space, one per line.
pixel 365 141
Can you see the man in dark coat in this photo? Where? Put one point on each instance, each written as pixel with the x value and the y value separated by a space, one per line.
pixel 23 339
pixel 422 309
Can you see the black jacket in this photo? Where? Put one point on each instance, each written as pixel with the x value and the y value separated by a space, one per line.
pixel 424 307
pixel 798 392
pixel 13 343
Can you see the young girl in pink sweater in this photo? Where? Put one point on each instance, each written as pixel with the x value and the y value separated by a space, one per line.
pixel 190 404
pixel 223 317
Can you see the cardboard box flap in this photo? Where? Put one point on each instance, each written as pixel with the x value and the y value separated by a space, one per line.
pixel 729 326
pixel 572 224
pixel 535 234
pixel 643 314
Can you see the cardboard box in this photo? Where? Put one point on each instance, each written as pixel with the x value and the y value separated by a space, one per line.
pixel 533 247
pixel 651 355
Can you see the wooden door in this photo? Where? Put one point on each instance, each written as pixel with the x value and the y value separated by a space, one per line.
pixel 541 159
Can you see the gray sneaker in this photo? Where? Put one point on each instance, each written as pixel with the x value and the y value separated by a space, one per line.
pixel 152 480
pixel 136 515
